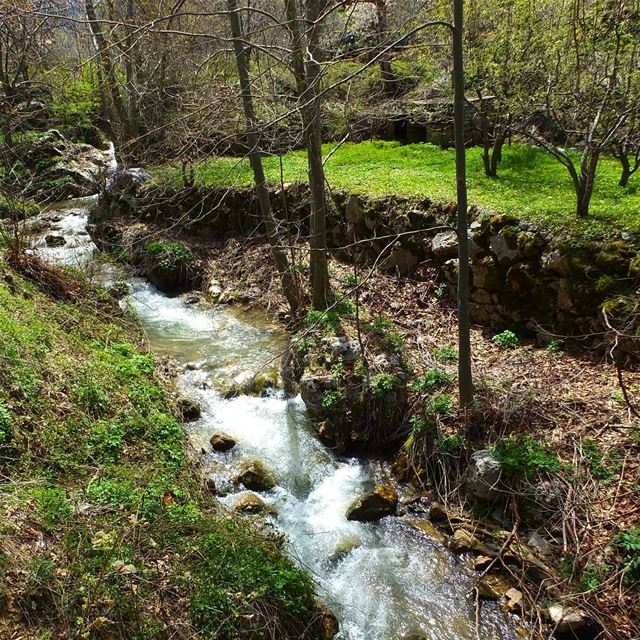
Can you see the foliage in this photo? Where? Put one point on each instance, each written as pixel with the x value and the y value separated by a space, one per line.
pixel 506 340
pixel 169 255
pixel 526 457
pixel 384 328
pixel 452 445
pixel 332 401
pixel 328 321
pixel 555 346
pixel 601 465
pixel 440 405
pixel 382 384
pixel 431 380
pixel 629 543
pixel 446 353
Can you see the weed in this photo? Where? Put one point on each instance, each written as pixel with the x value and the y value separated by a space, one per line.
pixel 92 397
pixel 5 425
pixel 52 507
pixel 446 353
pixel 441 291
pixel 526 457
pixel 332 401
pixel 431 380
pixel 384 328
pixel 169 255
pixel 506 340
pixel 452 445
pixel 304 345
pixel 555 346
pixel 597 461
pixel 351 280
pixel 382 384
pixel 328 321
pixel 421 426
pixel 345 308
pixel 440 406
pixel 629 543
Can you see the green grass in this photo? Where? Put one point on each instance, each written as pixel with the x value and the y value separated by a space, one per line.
pixel 531 183
pixel 95 465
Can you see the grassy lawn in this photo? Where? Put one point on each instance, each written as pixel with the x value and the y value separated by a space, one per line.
pixel 531 183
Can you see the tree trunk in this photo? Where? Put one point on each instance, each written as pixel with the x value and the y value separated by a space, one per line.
pixel 290 285
pixel 388 77
pixel 586 181
pixel 104 57
pixel 465 378
pixel 307 75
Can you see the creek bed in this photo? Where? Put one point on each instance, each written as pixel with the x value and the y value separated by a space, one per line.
pixel 384 581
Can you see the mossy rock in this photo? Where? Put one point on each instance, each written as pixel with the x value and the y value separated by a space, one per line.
pixel 531 244
pixel 620 310
pixel 634 267
pixel 613 261
pixel 488 276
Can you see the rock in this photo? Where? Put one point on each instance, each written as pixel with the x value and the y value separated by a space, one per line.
pixel 188 409
pixel 256 476
pixel 492 587
pixel 445 245
pixel 222 442
pixel 567 620
pixel 480 563
pixel 127 184
pixel 250 503
pixel 462 541
pixel 374 506
pixel 342 347
pixel 515 601
pixel 313 389
pixel 482 476
pixel 215 290
pixel 328 622
pixel 55 241
pixel 210 484
pixel 437 513
pixel 424 526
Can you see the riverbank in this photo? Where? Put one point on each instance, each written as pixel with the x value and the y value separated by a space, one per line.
pixel 109 529
pixel 565 400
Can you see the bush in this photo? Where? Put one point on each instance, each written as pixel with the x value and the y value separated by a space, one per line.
pixel 447 353
pixel 332 401
pixel 506 340
pixel 169 255
pixel 328 321
pixel 452 445
pixel 440 406
pixel 5 425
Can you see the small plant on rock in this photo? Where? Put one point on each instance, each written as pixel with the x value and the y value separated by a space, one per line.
pixel 169 254
pixel 332 401
pixel 382 384
pixel 506 340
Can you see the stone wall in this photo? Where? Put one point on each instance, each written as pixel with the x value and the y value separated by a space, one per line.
pixel 523 277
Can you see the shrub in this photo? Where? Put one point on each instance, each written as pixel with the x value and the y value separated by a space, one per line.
pixel 431 380
pixel 440 405
pixel 526 457
pixel 5 425
pixel 92 397
pixel 452 445
pixel 506 340
pixel 555 346
pixel 328 321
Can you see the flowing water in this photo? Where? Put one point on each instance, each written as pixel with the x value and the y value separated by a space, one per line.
pixel 384 581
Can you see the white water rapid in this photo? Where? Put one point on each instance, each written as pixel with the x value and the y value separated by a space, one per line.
pixel 384 581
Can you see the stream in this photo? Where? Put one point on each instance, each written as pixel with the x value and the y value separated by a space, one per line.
pixel 385 580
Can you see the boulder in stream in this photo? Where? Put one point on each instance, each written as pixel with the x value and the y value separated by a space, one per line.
pixel 381 502
pixel 222 442
pixel 55 241
pixel 252 504
pixel 188 409
pixel 256 476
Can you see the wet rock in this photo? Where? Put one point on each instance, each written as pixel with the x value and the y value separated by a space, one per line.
pixel 425 526
pixel 566 619
pixel 313 389
pixel 492 587
pixel 438 513
pixel 328 622
pixel 247 385
pixel 445 245
pixel 250 503
pixel 192 299
pixel 55 241
pixel 482 476
pixel 256 476
pixel 514 602
pixel 462 541
pixel 222 442
pixel 188 409
pixel 480 563
pixel 379 503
